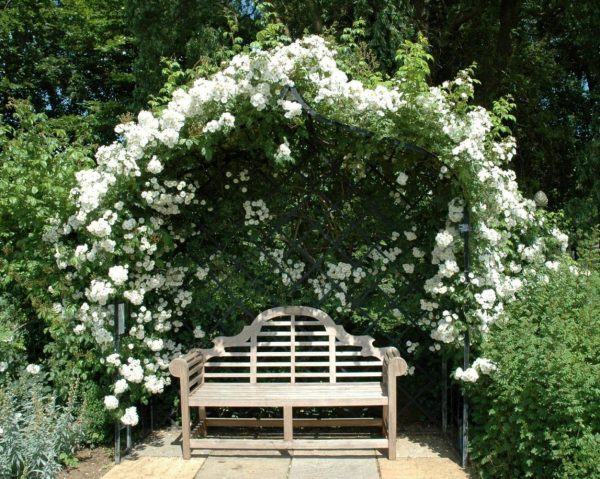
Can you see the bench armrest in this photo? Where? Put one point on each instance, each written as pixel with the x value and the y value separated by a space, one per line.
pixel 393 364
pixel 180 367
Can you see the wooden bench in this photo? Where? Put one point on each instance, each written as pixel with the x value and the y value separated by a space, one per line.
pixel 290 357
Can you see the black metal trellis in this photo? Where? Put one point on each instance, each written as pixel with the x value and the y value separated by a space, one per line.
pixel 313 192
pixel 119 330
pixel 147 414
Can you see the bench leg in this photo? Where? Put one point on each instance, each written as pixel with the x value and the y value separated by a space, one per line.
pixel 288 423
pixel 202 417
pixel 384 421
pixel 391 429
pixel 185 427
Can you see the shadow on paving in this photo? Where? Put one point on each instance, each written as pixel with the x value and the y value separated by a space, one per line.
pixel 424 455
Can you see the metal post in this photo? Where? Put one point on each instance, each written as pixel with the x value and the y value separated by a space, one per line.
pixel 117 443
pixel 465 421
pixel 119 328
pixel 117 341
pixel 128 443
pixel 465 229
pixel 152 414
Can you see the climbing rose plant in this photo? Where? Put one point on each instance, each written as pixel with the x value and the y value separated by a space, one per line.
pixel 128 240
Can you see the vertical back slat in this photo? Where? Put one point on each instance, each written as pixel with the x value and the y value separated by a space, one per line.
pixel 293 349
pixel 253 360
pixel 332 359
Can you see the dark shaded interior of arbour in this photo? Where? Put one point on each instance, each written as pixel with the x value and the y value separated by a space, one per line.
pixel 346 227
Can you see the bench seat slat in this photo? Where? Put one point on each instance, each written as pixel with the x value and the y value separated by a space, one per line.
pixel 286 394
pixel 233 444
pixel 297 333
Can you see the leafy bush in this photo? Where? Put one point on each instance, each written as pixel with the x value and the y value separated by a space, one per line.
pixel 539 415
pixel 36 434
pixel 12 343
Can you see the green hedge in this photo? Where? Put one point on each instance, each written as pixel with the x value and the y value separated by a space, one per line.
pixel 539 415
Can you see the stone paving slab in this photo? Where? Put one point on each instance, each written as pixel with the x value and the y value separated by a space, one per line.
pixel 334 468
pixel 421 468
pixel 155 467
pixel 420 456
pixel 232 467
pixel 423 445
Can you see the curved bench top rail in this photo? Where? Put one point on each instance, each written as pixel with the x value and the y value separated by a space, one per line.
pixel 245 337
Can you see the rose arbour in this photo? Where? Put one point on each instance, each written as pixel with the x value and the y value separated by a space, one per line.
pixel 131 242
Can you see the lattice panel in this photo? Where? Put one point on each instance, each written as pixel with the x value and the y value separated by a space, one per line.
pixel 263 237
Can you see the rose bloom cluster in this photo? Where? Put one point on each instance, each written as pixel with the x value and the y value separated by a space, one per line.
pixel 123 255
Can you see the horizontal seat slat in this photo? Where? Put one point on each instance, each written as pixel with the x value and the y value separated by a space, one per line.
pixel 281 344
pixel 274 364
pixel 228 364
pixel 326 354
pixel 298 422
pixel 297 333
pixel 286 394
pixel 216 443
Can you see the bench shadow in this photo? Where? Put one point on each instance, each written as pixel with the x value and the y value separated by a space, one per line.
pixel 410 445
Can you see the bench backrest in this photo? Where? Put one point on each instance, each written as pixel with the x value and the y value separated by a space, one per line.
pixel 292 344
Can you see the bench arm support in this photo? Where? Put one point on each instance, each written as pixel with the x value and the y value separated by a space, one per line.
pixel 393 366
pixel 180 368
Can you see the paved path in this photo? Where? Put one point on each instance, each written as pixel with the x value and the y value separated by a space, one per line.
pixel 420 456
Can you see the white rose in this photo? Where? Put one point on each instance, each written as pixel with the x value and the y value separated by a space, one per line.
pixel 99 227
pixel 485 366
pixel 79 329
pixel 111 402
pixel 118 274
pixel 198 333
pixel 121 386
pixel 469 375
pixel 33 369
pixel 130 418
pixel 154 166
pixel 402 178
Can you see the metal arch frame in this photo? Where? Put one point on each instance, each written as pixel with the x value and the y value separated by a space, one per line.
pixel 464 228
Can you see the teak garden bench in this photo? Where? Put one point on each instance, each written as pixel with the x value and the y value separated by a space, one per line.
pixel 290 357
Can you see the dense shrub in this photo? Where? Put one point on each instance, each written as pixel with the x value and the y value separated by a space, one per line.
pixel 12 341
pixel 36 434
pixel 539 414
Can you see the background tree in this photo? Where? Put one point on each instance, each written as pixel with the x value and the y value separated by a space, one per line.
pixel 543 54
pixel 67 57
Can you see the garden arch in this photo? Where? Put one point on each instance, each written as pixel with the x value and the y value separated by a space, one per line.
pixel 237 196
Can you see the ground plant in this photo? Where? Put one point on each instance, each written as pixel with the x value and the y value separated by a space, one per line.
pixel 37 435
